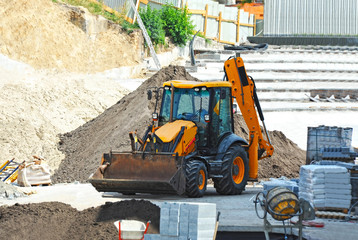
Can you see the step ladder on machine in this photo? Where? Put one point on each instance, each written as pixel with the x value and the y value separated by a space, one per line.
pixel 9 171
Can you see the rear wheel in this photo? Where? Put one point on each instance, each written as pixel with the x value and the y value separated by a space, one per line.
pixel 196 178
pixel 235 171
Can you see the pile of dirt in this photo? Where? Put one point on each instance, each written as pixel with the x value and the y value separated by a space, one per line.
pixel 286 159
pixel 54 220
pixel 28 33
pixel 84 146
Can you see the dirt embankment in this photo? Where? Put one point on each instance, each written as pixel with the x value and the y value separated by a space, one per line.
pixel 84 146
pixel 54 220
pixel 40 33
pixel 45 85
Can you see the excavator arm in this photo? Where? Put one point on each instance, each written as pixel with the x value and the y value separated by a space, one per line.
pixel 244 90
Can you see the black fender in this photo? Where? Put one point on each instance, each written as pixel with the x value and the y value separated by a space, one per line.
pixel 227 140
pixel 194 156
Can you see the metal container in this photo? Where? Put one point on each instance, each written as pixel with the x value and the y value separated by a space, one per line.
pixel 282 203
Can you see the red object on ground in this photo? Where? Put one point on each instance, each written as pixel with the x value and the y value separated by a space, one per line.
pixel 310 223
pixel 313 224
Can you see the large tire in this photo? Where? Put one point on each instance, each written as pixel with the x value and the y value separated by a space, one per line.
pixel 235 171
pixel 196 179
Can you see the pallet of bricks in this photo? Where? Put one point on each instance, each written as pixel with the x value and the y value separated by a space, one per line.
pixel 327 188
pixel 183 221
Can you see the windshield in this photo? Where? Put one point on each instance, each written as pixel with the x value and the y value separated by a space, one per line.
pixel 189 104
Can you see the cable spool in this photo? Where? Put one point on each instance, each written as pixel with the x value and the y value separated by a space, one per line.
pixel 282 203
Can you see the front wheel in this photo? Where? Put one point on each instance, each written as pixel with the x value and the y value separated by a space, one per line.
pixel 196 178
pixel 235 171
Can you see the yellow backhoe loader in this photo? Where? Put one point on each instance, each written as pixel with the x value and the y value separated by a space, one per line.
pixel 192 140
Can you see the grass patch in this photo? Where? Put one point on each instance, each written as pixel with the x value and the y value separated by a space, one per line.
pixel 97 8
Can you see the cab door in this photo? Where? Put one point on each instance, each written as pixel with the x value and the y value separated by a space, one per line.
pixel 221 114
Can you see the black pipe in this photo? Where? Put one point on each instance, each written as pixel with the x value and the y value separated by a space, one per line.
pixel 192 58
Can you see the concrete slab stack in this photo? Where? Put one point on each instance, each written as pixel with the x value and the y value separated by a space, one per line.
pixel 325 186
pixel 185 221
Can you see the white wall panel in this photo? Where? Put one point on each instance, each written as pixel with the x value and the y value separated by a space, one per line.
pixel 311 17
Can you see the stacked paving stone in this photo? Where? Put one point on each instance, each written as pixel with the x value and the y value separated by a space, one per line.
pixel 185 221
pixel 325 186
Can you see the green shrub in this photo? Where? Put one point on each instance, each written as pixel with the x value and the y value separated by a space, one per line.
pixel 154 24
pixel 177 24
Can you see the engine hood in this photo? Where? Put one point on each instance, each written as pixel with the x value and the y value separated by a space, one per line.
pixel 169 131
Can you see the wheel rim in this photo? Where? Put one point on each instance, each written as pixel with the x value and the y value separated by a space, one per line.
pixel 238 170
pixel 201 184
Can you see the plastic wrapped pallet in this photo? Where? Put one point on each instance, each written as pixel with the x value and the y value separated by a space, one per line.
pixel 280 182
pixel 34 173
pixel 322 137
pixel 325 186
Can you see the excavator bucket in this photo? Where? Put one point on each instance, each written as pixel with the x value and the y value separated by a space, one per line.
pixel 140 172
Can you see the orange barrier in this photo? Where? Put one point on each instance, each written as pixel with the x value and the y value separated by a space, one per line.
pixel 254 8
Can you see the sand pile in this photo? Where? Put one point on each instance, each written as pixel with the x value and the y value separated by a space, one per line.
pixel 54 220
pixel 41 34
pixel 84 146
pixel 36 106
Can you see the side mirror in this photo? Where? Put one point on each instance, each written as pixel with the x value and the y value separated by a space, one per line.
pixel 149 94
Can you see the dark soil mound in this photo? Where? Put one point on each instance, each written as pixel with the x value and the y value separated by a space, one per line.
pixel 54 220
pixel 286 159
pixel 84 146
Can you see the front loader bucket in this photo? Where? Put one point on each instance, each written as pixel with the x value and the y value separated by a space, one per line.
pixel 140 173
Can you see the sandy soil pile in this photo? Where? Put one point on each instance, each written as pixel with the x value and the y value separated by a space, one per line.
pixel 41 34
pixel 54 220
pixel 84 146
pixel 36 106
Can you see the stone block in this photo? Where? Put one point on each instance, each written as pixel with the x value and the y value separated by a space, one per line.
pixel 152 237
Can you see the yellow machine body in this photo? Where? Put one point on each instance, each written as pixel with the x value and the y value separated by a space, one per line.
pixel 169 132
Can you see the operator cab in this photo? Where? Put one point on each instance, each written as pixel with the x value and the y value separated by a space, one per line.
pixel 208 105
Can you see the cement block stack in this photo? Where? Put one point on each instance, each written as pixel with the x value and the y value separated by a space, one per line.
pixel 185 221
pixel 325 186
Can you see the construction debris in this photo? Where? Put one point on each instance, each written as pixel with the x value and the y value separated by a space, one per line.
pixel 9 191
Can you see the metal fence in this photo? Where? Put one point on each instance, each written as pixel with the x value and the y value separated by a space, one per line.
pixel 215 21
pixel 311 17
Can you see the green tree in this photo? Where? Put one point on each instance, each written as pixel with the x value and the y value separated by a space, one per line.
pixel 154 24
pixel 177 24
